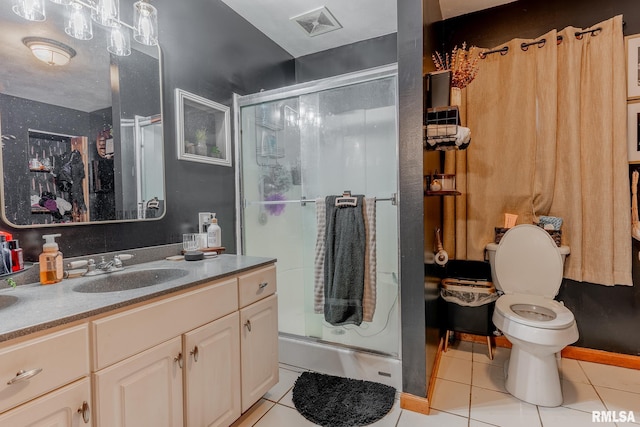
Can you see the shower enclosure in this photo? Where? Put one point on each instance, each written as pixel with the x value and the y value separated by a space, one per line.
pixel 302 143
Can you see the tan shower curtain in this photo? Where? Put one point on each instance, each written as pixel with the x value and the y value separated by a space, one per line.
pixel 549 138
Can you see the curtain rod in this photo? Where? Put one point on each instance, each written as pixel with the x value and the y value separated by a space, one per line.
pixel 525 46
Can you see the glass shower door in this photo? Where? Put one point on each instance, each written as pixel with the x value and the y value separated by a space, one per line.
pixel 306 147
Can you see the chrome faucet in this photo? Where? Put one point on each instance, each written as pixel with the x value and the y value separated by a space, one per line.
pixel 104 266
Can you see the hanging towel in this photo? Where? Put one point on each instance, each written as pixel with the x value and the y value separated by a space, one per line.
pixel 344 263
pixel 318 270
pixel 370 268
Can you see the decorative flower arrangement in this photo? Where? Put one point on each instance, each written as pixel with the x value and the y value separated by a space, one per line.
pixel 463 64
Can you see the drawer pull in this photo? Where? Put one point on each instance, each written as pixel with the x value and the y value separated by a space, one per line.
pixel 85 411
pixel 23 375
pixel 194 353
pixel 178 359
pixel 248 325
pixel 263 285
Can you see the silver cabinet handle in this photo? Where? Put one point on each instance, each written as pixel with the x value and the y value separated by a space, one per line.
pixel 263 285
pixel 85 411
pixel 23 375
pixel 248 325
pixel 194 353
pixel 178 359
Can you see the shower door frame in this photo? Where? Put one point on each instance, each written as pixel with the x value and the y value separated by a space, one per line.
pixel 292 91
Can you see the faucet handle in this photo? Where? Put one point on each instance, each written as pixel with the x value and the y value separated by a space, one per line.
pixel 125 257
pixel 118 258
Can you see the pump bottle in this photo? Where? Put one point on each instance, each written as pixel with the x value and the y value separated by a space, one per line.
pixel 51 269
pixel 214 233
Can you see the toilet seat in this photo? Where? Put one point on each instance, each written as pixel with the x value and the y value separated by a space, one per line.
pixel 528 261
pixel 532 310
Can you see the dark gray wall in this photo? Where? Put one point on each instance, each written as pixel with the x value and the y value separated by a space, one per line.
pixel 607 317
pixel 211 51
pixel 346 59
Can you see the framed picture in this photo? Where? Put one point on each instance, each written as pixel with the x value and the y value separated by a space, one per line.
pixel 632 44
pixel 633 134
pixel 203 129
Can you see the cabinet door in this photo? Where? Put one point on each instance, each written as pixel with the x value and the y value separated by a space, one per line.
pixel 62 408
pixel 212 373
pixel 144 390
pixel 259 349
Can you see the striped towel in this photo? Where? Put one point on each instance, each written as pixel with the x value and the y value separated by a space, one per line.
pixel 369 296
pixel 318 273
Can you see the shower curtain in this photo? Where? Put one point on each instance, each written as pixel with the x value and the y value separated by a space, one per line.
pixel 549 138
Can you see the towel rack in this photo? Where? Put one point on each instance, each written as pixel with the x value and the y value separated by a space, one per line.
pixel 304 201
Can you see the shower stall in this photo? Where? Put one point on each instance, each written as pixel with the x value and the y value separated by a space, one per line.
pixel 297 145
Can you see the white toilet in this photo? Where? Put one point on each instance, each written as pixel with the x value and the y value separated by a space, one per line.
pixel 527 266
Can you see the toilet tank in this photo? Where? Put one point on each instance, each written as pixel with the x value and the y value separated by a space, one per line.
pixel 490 255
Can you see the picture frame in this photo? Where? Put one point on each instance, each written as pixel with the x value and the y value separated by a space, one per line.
pixel 633 131
pixel 632 45
pixel 203 129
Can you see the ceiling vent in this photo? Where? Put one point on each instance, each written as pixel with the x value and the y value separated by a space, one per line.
pixel 317 21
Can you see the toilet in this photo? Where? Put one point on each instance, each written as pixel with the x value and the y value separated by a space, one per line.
pixel 527 266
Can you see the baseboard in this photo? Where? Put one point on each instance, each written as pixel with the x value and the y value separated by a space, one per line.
pixel 603 357
pixel 571 352
pixel 414 403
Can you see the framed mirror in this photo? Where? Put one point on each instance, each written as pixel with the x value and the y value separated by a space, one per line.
pixel 81 141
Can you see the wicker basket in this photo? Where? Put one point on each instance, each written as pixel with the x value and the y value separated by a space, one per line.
pixel 556 235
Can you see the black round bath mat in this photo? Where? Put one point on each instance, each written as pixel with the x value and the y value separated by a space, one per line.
pixel 332 401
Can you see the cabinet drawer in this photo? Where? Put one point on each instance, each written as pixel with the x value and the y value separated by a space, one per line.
pixel 124 334
pixel 62 356
pixel 256 285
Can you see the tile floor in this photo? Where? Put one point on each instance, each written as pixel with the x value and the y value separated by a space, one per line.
pixel 469 392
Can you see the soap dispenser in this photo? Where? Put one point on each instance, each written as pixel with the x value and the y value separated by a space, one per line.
pixel 51 269
pixel 214 233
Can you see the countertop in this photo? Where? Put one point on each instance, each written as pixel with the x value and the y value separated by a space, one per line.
pixel 41 307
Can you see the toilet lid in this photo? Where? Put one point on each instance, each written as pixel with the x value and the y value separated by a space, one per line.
pixel 528 261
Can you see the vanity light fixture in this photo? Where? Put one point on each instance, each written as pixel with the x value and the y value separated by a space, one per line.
pixel 31 10
pixel 104 12
pixel 49 51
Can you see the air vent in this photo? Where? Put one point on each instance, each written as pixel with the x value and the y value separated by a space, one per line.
pixel 317 21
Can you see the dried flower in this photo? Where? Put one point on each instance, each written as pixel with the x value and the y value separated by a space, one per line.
pixel 463 64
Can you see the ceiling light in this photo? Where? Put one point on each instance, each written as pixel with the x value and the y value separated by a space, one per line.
pixel 78 25
pixel 119 41
pixel 31 10
pixel 106 12
pixel 49 51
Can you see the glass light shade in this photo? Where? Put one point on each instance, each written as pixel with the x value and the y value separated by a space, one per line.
pixel 78 24
pixel 49 51
pixel 119 41
pixel 62 2
pixel 32 10
pixel 106 12
pixel 145 23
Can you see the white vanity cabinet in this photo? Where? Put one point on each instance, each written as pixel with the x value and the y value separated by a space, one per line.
pixel 259 334
pixel 32 369
pixel 187 352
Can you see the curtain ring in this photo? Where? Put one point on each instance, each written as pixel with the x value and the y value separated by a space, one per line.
pixel 541 43
pixel 524 47
pixel 559 40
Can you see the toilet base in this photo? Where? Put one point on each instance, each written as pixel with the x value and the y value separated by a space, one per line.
pixel 534 378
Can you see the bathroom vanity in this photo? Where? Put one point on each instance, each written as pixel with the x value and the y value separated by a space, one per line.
pixel 195 348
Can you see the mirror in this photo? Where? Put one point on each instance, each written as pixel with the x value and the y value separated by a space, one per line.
pixel 81 142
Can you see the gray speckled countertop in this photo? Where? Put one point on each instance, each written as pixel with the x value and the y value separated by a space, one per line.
pixel 39 307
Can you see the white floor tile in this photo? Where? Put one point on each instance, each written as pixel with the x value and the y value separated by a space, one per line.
pixel 502 409
pixel 581 397
pixel 257 411
pixel 452 397
pixel 460 350
pixel 283 416
pixel 612 376
pixel 500 354
pixel 571 370
pixel 435 418
pixel 287 380
pixel 454 369
pixel 488 376
pixel 476 423
pixel 618 400
pixel 391 419
pixel 287 399
pixel 566 417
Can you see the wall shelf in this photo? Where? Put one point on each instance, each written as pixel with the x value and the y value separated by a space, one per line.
pixel 442 193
